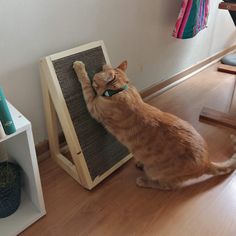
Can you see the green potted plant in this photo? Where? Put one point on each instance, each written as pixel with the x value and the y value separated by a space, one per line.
pixel 10 188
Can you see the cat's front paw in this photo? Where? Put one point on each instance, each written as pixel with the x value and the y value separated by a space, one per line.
pixel 79 68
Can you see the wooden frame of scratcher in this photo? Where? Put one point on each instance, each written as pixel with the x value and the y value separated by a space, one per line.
pixel 94 153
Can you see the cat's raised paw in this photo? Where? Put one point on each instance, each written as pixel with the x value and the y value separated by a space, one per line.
pixel 79 68
pixel 78 65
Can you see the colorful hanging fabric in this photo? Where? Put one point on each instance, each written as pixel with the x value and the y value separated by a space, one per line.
pixel 192 18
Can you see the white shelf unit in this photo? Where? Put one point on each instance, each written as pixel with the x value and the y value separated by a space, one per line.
pixel 20 148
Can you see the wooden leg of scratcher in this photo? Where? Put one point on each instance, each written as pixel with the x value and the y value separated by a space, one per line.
pixel 51 122
pixel 50 116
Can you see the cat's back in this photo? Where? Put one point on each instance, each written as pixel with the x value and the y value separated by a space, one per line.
pixel 170 127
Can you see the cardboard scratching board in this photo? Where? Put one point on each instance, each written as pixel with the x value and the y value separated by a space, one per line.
pixel 95 153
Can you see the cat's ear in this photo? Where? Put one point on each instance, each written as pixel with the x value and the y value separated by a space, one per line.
pixel 123 66
pixel 106 67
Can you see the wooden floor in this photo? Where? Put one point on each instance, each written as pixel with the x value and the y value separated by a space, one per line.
pixel 118 208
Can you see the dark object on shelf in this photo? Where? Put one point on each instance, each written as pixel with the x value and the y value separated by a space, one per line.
pixel 229 60
pixel 10 188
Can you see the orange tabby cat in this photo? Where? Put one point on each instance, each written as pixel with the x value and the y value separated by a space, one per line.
pixel 170 149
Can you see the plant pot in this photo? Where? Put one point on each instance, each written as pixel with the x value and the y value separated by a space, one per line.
pixel 10 188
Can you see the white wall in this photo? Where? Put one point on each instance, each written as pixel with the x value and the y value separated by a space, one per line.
pixel 137 30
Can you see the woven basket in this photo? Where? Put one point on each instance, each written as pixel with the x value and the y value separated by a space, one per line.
pixel 10 188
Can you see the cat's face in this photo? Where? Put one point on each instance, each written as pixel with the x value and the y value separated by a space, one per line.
pixel 110 78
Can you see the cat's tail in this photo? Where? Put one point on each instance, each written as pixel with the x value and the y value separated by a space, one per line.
pixel 222 168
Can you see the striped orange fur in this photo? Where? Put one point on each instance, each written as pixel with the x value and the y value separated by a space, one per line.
pixel 169 148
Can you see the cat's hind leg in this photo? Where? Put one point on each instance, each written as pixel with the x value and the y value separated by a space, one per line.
pixel 145 182
pixel 139 165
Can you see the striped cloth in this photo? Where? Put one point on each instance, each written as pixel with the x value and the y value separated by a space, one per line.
pixel 192 18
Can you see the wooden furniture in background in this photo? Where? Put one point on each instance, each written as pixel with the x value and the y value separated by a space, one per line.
pixel 20 148
pixel 224 118
pixel 227 68
pixel 227 6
